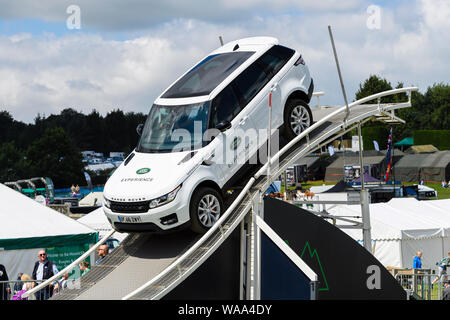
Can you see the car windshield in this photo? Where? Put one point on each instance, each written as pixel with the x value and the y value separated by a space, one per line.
pixel 174 128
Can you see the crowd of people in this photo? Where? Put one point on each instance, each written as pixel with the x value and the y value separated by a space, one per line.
pixel 43 269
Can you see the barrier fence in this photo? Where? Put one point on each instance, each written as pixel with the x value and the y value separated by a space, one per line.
pixel 423 284
pixel 15 286
pixel 18 288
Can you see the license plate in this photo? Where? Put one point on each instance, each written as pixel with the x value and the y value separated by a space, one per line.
pixel 130 219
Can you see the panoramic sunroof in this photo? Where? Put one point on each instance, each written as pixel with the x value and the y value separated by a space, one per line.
pixel 208 74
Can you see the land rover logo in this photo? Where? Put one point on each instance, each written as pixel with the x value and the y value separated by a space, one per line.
pixel 143 171
pixel 236 142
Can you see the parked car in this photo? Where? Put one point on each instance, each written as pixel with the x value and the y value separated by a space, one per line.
pixel 203 130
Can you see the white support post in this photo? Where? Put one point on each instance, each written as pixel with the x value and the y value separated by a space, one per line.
pixel 254 253
pixel 242 260
pixel 365 201
pixel 259 207
pixel 249 256
pixel 361 164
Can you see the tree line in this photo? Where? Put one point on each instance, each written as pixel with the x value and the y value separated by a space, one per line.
pixel 51 146
pixel 429 111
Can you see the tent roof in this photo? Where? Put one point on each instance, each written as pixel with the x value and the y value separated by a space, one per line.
pixel 426 148
pixel 24 218
pixel 411 160
pixel 97 220
pixel 440 159
pixel 402 218
pixel 340 161
pixel 409 141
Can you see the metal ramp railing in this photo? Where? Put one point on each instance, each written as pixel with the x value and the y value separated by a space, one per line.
pixel 320 133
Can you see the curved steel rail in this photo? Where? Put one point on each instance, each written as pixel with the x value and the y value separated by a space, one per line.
pixel 69 267
pixel 187 263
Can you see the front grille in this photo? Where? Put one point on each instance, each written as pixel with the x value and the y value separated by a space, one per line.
pixel 129 207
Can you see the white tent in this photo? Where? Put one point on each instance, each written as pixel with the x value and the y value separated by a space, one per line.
pixel 27 226
pixel 401 227
pixel 98 221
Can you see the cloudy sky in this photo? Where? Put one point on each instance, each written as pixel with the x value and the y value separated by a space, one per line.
pixel 126 52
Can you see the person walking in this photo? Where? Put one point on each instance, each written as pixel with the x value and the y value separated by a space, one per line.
pixel 4 287
pixel 44 269
pixel 442 266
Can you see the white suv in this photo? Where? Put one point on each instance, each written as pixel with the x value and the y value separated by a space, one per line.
pixel 202 132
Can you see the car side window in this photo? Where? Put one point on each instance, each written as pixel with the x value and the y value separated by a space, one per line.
pixel 224 106
pixel 274 59
pixel 250 82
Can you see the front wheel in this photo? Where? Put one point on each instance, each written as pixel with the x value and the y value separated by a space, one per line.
pixel 297 118
pixel 205 209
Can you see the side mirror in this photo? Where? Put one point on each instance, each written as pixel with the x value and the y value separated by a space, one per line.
pixel 223 126
pixel 139 129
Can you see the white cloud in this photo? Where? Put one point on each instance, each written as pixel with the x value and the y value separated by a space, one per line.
pixel 119 15
pixel 47 73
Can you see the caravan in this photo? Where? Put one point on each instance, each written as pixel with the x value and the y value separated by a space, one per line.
pixel 203 131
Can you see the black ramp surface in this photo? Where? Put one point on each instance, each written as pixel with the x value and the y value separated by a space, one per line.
pixel 280 277
pixel 139 258
pixel 346 270
pixel 217 278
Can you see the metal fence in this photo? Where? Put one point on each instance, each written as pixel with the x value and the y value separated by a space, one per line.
pixel 13 289
pixel 10 288
pixel 422 284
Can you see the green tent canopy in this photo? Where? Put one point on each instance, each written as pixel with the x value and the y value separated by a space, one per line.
pixel 27 226
pixel 409 141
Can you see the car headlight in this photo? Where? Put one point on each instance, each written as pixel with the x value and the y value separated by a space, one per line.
pixel 107 203
pixel 164 199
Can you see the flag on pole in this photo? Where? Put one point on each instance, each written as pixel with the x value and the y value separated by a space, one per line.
pixel 388 156
pixel 88 180
pixel 331 150
pixel 376 146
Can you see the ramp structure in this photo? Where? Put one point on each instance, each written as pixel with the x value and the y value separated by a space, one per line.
pixel 250 198
pixel 147 267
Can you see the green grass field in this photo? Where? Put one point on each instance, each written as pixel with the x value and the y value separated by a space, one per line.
pixel 443 193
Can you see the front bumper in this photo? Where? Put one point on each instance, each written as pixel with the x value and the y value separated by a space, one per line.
pixel 154 220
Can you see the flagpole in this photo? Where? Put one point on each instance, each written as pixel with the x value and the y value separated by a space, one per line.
pixel 393 172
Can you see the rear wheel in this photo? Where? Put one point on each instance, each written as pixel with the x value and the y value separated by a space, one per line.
pixel 205 209
pixel 297 118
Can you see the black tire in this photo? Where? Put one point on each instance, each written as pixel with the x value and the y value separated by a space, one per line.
pixel 292 108
pixel 201 219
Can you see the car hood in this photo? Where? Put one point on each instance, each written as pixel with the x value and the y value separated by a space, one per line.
pixel 148 175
